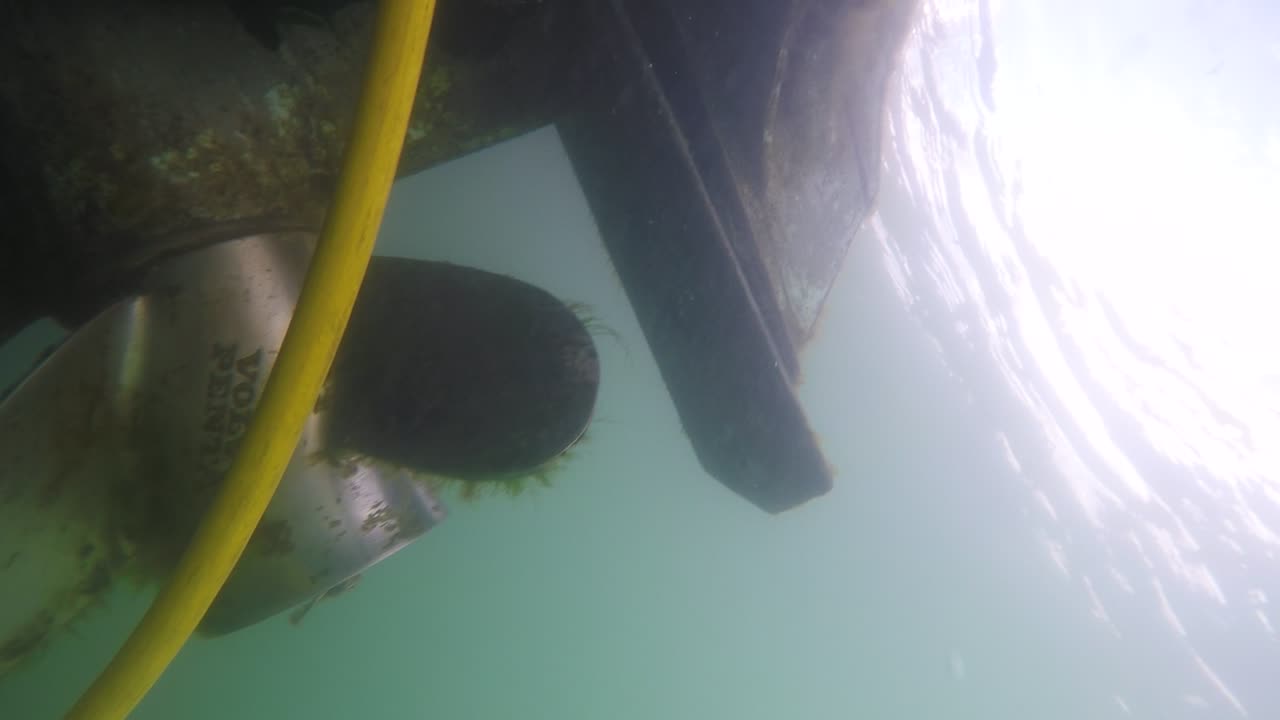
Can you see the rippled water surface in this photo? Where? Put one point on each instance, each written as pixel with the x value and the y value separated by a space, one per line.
pixel 1084 219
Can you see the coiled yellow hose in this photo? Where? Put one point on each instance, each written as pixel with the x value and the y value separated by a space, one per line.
pixel 324 306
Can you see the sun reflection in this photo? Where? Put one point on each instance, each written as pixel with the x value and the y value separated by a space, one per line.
pixel 1102 234
pixel 1163 222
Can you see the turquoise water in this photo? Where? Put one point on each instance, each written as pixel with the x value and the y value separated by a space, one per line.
pixel 636 587
pixel 1045 392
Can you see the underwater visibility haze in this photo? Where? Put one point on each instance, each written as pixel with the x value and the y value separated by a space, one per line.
pixel 1047 378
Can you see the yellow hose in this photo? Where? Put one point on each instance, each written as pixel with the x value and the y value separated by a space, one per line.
pixel 324 306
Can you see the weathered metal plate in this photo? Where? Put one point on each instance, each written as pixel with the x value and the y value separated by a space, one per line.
pixel 730 151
